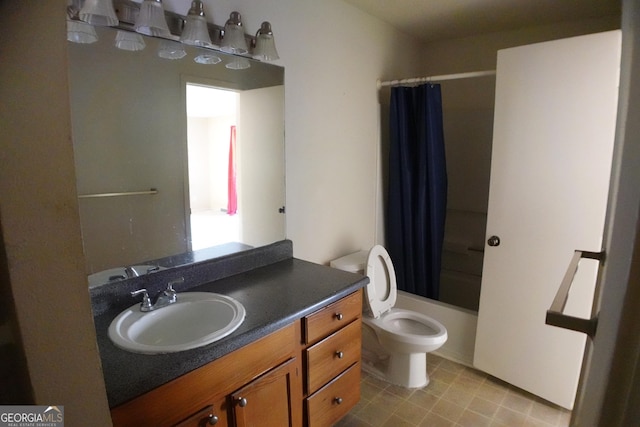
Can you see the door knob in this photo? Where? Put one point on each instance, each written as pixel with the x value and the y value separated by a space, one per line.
pixel 493 241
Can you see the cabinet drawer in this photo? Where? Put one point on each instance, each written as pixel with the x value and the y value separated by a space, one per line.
pixel 333 355
pixel 333 317
pixel 334 400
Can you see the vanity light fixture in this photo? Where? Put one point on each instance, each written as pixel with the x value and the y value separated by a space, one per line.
pixel 81 32
pixel 77 30
pixel 233 40
pixel 126 40
pixel 169 49
pixel 195 31
pixel 264 44
pixel 99 12
pixel 151 20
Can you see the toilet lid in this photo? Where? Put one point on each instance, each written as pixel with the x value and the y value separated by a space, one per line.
pixel 381 291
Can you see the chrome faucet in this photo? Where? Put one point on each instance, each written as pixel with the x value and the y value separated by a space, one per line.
pixel 167 297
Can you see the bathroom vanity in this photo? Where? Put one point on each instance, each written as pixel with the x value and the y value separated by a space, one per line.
pixel 294 361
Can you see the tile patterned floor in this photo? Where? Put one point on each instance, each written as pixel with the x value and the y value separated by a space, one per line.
pixel 457 396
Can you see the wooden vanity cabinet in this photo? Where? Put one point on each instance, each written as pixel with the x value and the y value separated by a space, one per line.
pixel 269 400
pixel 305 374
pixel 269 368
pixel 332 336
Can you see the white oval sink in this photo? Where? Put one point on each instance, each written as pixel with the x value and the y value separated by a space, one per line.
pixel 196 319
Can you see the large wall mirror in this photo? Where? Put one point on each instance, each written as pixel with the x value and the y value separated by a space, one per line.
pixel 176 160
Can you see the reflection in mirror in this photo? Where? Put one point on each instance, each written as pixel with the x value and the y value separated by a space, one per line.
pixel 155 173
pixel 212 151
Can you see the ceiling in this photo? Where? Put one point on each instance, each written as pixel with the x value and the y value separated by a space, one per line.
pixel 431 20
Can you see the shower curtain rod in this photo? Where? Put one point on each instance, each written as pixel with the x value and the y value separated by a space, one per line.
pixel 442 77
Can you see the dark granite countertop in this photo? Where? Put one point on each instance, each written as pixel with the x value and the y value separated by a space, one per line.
pixel 274 296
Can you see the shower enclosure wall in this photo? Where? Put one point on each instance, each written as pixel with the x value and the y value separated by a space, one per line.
pixel 468 131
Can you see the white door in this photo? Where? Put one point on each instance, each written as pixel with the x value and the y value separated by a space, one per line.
pixel 551 158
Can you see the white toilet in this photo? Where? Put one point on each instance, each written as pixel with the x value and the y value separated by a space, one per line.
pixel 395 342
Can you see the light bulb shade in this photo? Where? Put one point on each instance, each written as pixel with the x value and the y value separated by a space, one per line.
pixel 238 63
pixel 233 40
pixel 151 20
pixel 81 32
pixel 129 41
pixel 265 49
pixel 195 30
pixel 169 49
pixel 99 12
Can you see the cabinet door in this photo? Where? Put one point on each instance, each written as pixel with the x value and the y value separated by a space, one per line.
pixel 270 400
pixel 553 138
pixel 211 415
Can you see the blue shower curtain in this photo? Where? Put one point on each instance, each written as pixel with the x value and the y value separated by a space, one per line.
pixel 417 199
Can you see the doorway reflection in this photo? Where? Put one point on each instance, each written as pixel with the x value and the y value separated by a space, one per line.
pixel 212 119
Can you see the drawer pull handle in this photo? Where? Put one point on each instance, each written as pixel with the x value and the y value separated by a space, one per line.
pixel 339 316
pixel 339 354
pixel 242 402
pixel 213 419
pixel 338 400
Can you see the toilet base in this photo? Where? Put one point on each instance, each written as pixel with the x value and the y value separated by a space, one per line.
pixel 404 370
pixel 408 370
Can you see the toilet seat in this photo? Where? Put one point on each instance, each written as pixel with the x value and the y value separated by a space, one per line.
pixel 410 328
pixel 381 292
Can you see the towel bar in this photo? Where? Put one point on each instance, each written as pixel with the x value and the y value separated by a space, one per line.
pixel 555 315
pixel 125 193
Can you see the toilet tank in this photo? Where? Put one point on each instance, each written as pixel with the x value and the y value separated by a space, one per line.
pixel 354 263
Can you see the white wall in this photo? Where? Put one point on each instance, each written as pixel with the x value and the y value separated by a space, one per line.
pixel 39 215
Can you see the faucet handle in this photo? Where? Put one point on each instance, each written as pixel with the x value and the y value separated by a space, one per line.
pixel 130 272
pixel 174 282
pixel 146 301
pixel 171 293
